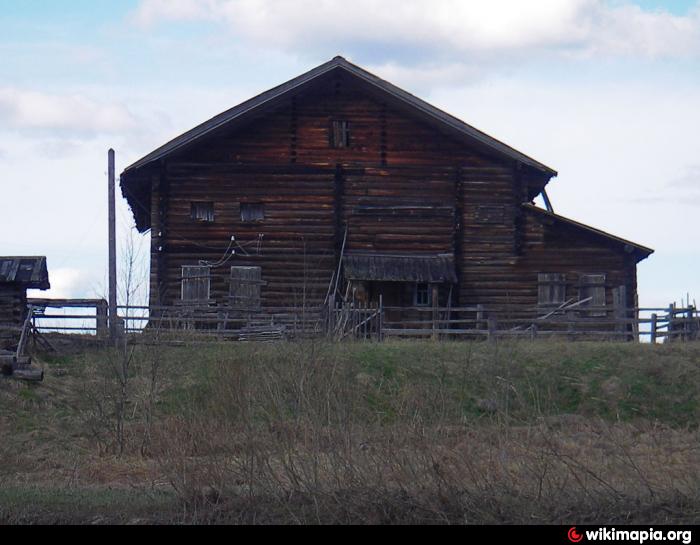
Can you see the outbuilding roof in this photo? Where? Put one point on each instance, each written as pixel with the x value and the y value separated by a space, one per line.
pixel 29 272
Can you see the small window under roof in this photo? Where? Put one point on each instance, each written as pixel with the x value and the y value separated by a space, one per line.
pixel 340 134
pixel 202 211
pixel 252 211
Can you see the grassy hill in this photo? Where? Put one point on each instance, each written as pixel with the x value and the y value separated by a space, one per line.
pixel 414 432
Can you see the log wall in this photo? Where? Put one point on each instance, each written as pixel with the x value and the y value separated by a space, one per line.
pixel 400 187
pixel 13 311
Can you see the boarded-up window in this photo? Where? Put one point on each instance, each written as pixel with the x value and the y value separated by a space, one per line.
pixel 340 134
pixel 551 288
pixel 195 283
pixel 252 211
pixel 592 286
pixel 423 295
pixel 202 211
pixel 245 287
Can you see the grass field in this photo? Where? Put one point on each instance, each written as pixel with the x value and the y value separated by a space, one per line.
pixel 403 432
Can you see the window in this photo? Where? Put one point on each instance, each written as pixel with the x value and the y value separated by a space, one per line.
pixel 195 283
pixel 245 287
pixel 423 295
pixel 592 286
pixel 551 289
pixel 252 212
pixel 202 211
pixel 340 134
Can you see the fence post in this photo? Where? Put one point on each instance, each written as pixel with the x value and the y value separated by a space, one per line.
pixel 102 322
pixel 653 328
pixel 571 328
pixel 493 327
pixel 436 314
pixel 533 332
pixel 479 316
pixel 619 310
pixel 691 324
pixel 671 325
pixel 380 334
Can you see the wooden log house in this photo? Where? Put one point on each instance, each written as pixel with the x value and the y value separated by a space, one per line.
pixel 255 208
pixel 17 275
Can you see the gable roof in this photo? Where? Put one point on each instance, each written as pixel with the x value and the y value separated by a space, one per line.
pixel 29 272
pixel 338 63
pixel 641 252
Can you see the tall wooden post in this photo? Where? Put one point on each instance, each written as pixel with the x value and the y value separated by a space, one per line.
pixel 111 220
pixel 436 314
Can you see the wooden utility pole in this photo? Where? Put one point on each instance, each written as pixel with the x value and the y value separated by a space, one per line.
pixel 111 219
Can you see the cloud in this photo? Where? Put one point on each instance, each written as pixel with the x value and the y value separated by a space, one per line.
pixel 422 29
pixel 689 179
pixel 682 190
pixel 71 113
pixel 65 284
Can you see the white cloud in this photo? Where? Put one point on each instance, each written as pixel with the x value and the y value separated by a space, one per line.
pixel 35 110
pixel 66 283
pixel 451 27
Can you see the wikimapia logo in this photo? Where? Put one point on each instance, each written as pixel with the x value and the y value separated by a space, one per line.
pixel 636 536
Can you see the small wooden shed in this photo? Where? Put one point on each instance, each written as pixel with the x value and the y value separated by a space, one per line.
pixel 17 275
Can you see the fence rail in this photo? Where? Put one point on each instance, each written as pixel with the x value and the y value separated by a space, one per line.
pixel 575 322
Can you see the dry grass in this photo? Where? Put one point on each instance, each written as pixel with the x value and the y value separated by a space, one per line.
pixel 361 433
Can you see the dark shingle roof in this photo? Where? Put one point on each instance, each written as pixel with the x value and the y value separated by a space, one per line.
pixel 397 268
pixel 29 272
pixel 640 251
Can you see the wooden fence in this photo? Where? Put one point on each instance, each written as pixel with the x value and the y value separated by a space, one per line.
pixel 572 322
pixel 94 321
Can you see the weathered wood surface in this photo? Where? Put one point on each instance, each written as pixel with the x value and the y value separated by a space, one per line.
pixel 399 187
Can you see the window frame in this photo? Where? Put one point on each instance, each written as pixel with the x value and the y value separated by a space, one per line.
pixel 246 206
pixel 339 134
pixel 210 212
pixel 428 294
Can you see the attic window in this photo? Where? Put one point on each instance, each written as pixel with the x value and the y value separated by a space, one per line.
pixel 339 134
pixel 551 289
pixel 252 212
pixel 202 211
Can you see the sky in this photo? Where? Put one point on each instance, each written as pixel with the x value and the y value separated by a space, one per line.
pixel 605 92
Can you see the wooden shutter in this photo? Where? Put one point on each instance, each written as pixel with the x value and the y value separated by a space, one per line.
pixel 551 289
pixel 593 286
pixel 245 287
pixel 195 283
